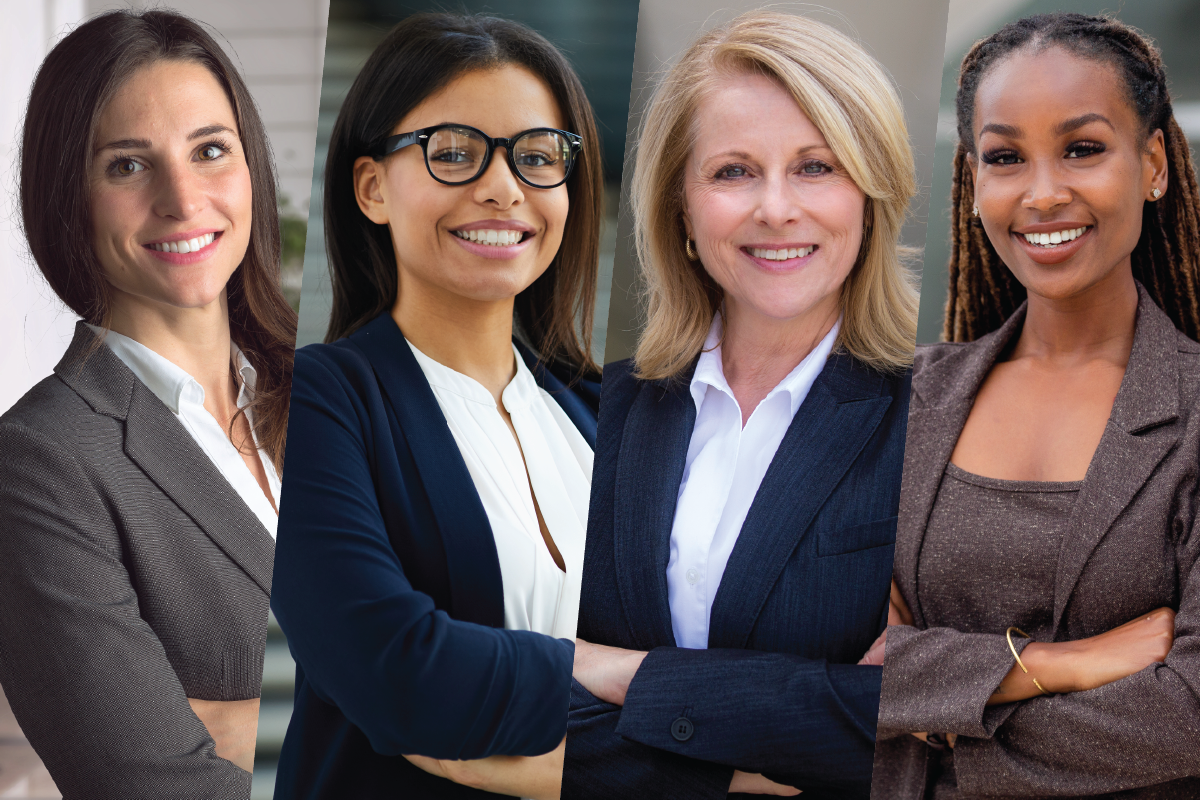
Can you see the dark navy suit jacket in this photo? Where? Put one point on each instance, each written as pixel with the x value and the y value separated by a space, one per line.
pixel 803 596
pixel 388 586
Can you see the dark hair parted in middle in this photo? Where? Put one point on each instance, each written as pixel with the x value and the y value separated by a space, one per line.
pixel 421 55
pixel 76 82
pixel 983 293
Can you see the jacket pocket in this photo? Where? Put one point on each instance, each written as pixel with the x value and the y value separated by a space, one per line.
pixel 857 537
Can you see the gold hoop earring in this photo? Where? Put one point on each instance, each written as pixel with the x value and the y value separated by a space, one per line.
pixel 691 253
pixel 975 211
pixel 1157 193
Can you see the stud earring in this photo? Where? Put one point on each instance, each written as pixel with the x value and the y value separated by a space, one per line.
pixel 975 211
pixel 1157 193
pixel 691 253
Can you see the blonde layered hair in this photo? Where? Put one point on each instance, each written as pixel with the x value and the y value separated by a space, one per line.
pixel 851 100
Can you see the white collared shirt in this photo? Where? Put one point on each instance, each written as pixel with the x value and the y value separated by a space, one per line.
pixel 184 397
pixel 725 464
pixel 557 462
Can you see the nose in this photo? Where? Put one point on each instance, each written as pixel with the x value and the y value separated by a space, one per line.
pixel 498 185
pixel 1047 190
pixel 179 192
pixel 778 204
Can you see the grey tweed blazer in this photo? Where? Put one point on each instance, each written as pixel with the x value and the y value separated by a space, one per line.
pixel 132 577
pixel 1132 544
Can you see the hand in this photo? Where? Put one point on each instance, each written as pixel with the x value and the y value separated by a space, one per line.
pixel 951 738
pixel 753 783
pixel 233 726
pixel 606 671
pixel 898 614
pixel 1090 663
pixel 536 777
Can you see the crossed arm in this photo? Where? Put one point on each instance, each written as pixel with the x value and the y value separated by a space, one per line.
pixel 1135 688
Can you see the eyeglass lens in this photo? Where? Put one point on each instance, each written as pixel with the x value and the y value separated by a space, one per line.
pixel 456 155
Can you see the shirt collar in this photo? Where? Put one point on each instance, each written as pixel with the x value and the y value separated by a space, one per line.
pixel 169 382
pixel 710 371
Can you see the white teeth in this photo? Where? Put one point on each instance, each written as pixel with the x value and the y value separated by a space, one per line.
pixel 185 245
pixel 498 238
pixel 781 255
pixel 1055 238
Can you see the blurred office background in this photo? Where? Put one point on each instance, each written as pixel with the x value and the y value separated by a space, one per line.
pixel 906 37
pixel 1173 24
pixel 597 37
pixel 279 46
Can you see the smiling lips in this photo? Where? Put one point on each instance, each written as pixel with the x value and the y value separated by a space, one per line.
pixel 184 245
pixel 782 254
pixel 491 236
pixel 1055 238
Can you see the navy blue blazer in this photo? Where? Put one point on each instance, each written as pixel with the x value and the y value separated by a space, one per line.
pixel 803 596
pixel 388 585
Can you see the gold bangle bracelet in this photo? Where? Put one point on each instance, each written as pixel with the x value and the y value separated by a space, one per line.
pixel 1008 635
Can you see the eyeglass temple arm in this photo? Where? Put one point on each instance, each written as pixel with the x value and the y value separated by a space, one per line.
pixel 393 143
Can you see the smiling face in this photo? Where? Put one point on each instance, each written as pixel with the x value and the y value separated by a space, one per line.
pixel 170 191
pixel 778 222
pixel 486 240
pixel 1062 170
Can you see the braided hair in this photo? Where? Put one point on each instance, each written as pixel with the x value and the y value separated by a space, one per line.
pixel 983 292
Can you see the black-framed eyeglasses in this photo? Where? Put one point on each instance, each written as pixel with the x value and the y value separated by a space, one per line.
pixel 458 154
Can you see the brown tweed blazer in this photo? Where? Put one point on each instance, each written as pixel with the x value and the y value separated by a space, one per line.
pixel 132 577
pixel 1132 544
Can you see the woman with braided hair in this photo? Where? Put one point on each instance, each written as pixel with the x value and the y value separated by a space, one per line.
pixel 1047 573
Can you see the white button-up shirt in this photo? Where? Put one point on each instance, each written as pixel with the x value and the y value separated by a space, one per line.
pixel 553 459
pixel 725 464
pixel 184 397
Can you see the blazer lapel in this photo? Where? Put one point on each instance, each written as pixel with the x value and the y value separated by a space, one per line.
pixel 166 452
pixel 1137 437
pixel 839 415
pixel 942 396
pixel 650 465
pixel 473 566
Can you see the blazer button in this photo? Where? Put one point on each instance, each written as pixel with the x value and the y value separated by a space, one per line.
pixel 681 729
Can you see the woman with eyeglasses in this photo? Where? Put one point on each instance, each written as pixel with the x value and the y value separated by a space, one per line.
pixel 440 452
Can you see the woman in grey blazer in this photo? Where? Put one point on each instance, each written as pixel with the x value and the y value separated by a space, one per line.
pixel 138 482
pixel 1047 572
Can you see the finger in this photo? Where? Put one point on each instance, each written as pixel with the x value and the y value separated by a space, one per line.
pixel 874 654
pixel 754 783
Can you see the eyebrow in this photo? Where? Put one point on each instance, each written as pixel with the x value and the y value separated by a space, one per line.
pixel 1078 122
pixel 145 144
pixel 1064 127
pixel 744 155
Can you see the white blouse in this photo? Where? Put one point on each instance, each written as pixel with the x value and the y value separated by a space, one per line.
pixel 184 397
pixel 725 465
pixel 538 596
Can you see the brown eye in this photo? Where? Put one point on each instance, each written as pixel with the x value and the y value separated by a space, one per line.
pixel 126 166
pixel 210 152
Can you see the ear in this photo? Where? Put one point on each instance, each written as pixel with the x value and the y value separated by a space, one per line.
pixel 1154 163
pixel 368 189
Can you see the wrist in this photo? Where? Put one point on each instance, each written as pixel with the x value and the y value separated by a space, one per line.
pixel 1053 664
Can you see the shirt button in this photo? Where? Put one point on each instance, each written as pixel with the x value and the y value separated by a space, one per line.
pixel 692 576
pixel 681 729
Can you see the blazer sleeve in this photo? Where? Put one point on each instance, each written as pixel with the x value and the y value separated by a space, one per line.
pixel 940 679
pixel 803 722
pixel 602 764
pixel 413 679
pixel 1138 731
pixel 87 678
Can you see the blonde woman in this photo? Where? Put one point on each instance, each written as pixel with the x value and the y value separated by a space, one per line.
pixel 747 468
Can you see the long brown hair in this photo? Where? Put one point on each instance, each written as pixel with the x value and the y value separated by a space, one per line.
pixel 74 85
pixel 422 54
pixel 983 293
